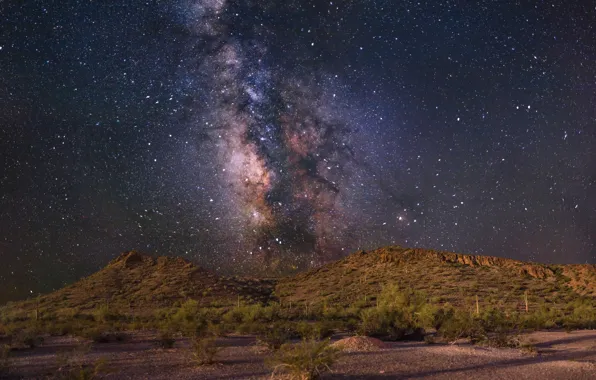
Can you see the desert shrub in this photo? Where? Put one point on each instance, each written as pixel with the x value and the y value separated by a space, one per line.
pixel 333 313
pixel 271 312
pixel 460 324
pixel 136 325
pixel 276 335
pixel 393 297
pixel 104 314
pixel 253 313
pixel 204 350
pixel 250 328
pixel 324 330
pixel 495 320
pixel 306 360
pixel 304 329
pixel 351 324
pixel 317 330
pixel 582 315
pixel 216 329
pixel 503 339
pixel 399 313
pixel 188 319
pixel 442 315
pixel 73 369
pixel 67 313
pixel 165 339
pixel 29 338
pixel 383 322
pixel 543 318
pixel 60 329
pixel 235 316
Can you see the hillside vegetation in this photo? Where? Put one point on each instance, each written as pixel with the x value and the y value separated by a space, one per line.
pixel 135 286
pixel 139 284
pixel 390 293
pixel 444 277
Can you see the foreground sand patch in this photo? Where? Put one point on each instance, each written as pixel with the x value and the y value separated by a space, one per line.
pixel 359 343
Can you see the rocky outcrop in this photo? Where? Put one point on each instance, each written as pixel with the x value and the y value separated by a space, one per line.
pixel 537 271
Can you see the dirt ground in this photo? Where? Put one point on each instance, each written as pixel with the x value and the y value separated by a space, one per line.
pixel 559 355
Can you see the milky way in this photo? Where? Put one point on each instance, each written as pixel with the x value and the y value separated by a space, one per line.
pixel 264 137
pixel 278 141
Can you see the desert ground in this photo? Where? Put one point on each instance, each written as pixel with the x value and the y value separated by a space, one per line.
pixel 555 355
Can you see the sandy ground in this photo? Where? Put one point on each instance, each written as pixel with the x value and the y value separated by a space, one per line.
pixel 559 355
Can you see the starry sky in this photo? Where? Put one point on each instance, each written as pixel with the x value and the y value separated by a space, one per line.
pixel 268 136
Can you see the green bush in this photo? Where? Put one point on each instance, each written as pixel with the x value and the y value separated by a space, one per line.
pixel 322 330
pixel 216 329
pixel 276 335
pixel 543 318
pixel 103 314
pixel 306 360
pixel 583 315
pixel 495 320
pixel 204 350
pixel 460 324
pixel 399 314
pixel 383 322
pixel 304 329
pixel 236 316
pixel 250 328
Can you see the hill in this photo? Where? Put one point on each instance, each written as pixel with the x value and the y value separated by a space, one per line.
pixel 443 276
pixel 139 284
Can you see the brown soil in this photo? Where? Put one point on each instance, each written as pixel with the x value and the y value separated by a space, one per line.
pixel 559 355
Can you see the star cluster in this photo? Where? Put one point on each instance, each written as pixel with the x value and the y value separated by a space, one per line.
pixel 262 136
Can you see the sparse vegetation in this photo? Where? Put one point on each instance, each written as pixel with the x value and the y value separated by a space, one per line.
pixel 204 350
pixel 306 360
pixel 276 335
pixel 72 367
pixel 489 302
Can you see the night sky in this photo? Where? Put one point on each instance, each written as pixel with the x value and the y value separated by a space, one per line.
pixel 263 136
